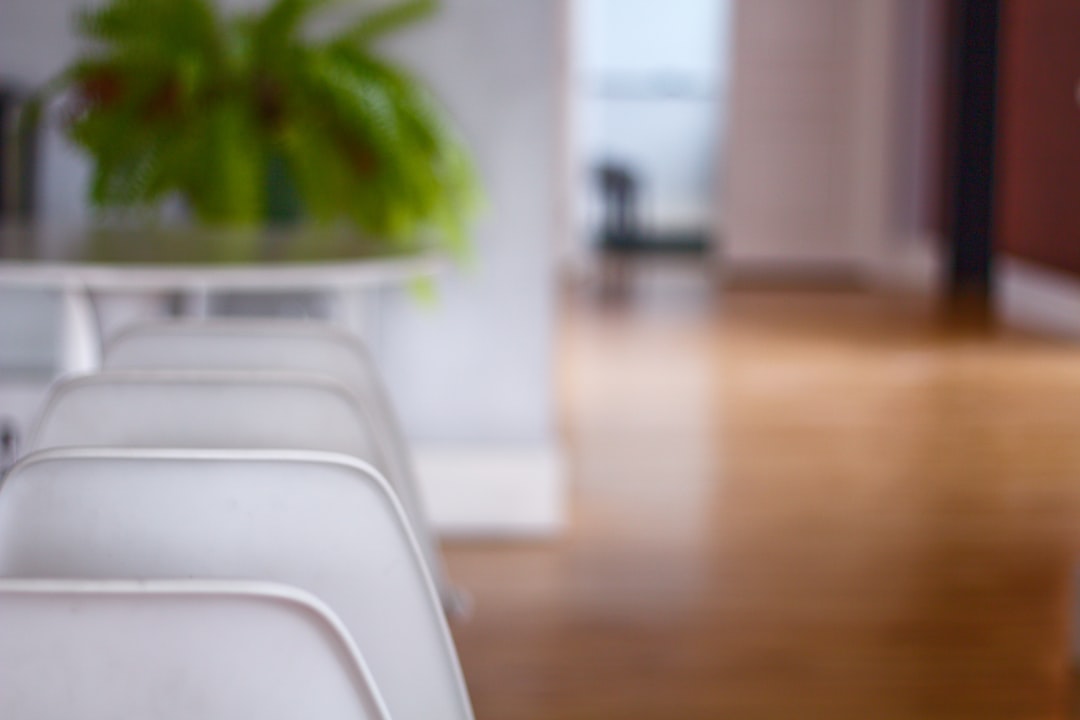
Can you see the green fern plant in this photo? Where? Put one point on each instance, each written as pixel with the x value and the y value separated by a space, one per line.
pixel 230 112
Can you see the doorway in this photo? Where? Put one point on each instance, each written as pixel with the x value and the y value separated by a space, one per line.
pixel 649 87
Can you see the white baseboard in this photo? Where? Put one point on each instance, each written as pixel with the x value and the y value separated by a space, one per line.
pixel 788 271
pixel 1030 297
pixel 914 266
pixel 493 491
pixel 1038 299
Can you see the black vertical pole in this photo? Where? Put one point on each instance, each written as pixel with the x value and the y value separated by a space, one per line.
pixel 970 281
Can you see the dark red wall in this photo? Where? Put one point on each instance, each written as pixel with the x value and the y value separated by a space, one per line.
pixel 1038 165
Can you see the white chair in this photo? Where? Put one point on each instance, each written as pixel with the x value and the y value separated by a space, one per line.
pixel 227 409
pixel 174 651
pixel 325 523
pixel 286 345
pixel 255 410
pixel 268 344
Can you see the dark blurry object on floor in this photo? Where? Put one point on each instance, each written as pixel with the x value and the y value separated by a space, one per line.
pixel 18 159
pixel 622 235
pixel 619 189
pixel 620 229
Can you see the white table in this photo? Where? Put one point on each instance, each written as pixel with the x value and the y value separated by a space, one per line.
pixel 92 261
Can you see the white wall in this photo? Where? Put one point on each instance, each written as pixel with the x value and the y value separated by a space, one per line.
pixel 921 120
pixel 822 174
pixel 35 44
pixel 791 125
pixel 479 366
pixel 36 38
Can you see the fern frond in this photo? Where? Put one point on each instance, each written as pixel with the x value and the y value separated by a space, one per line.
pixel 384 21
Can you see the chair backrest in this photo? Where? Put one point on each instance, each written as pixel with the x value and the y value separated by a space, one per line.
pixel 248 344
pixel 325 523
pixel 176 650
pixel 257 410
pixel 285 345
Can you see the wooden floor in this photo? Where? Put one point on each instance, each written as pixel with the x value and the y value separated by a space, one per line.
pixel 817 505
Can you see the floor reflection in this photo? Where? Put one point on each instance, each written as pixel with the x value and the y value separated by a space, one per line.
pixel 791 505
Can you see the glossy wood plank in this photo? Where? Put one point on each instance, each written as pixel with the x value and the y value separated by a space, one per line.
pixel 791 506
